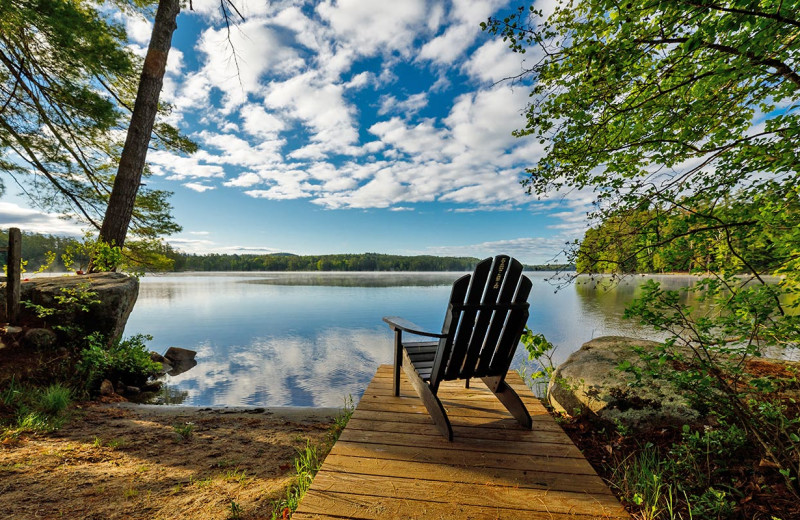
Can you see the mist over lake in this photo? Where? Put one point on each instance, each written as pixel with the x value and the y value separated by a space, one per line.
pixel 311 339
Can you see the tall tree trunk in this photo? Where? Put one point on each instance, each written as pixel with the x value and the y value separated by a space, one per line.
pixel 131 163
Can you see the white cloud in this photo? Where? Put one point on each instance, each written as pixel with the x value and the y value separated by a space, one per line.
pixel 138 28
pixel 465 18
pixel 407 107
pixel 259 123
pixel 320 106
pixel 371 27
pixel 196 186
pixel 179 167
pixel 244 180
pixel 533 250
pixel 31 220
pixel 493 61
pixel 235 63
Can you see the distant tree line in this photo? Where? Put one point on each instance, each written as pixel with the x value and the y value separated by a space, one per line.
pixel 338 262
pixel 35 249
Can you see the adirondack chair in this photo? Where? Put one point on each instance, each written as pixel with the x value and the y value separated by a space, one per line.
pixel 482 326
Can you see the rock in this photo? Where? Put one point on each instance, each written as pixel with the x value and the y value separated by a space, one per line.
pixel 182 366
pixel 106 388
pixel 116 292
pixel 590 382
pixel 165 367
pixel 120 387
pixel 151 386
pixel 40 338
pixel 11 329
pixel 133 390
pixel 174 355
pixel 156 357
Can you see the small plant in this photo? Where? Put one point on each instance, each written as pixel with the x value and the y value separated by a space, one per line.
pixel 644 481
pixel 540 353
pixel 306 465
pixel 184 430
pixel 342 418
pixel 92 254
pixel 238 476
pixel 116 443
pixel 236 511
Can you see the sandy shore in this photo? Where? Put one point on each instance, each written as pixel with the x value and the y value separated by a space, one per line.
pixel 120 460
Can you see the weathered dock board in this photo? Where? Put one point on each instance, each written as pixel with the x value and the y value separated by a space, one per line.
pixel 391 462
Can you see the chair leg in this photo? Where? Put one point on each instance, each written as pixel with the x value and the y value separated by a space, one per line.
pixel 398 359
pixel 429 399
pixel 466 385
pixel 510 400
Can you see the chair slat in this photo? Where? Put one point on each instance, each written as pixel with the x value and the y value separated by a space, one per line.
pixel 512 331
pixel 495 328
pixel 451 318
pixel 463 334
pixel 504 273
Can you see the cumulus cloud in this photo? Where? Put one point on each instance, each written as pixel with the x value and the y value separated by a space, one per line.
pixel 372 27
pixel 407 107
pixel 196 186
pixel 532 250
pixel 31 220
pixel 492 62
pixel 292 124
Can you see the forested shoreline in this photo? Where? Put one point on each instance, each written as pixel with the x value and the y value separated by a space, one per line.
pixel 657 241
pixel 37 247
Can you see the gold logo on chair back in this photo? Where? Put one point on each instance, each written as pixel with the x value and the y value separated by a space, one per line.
pixel 500 270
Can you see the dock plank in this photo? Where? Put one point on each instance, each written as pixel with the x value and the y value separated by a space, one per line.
pixel 391 462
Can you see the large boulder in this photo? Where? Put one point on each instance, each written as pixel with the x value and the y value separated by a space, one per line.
pixel 590 382
pixel 115 295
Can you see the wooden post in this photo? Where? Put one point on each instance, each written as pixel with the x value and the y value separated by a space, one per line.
pixel 12 276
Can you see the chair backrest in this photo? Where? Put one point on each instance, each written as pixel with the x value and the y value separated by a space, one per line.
pixel 484 321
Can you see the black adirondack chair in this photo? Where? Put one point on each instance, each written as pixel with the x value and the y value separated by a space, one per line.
pixel 482 326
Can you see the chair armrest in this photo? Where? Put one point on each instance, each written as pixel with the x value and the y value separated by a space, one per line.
pixel 397 323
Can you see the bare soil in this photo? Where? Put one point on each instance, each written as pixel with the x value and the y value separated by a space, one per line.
pixel 129 462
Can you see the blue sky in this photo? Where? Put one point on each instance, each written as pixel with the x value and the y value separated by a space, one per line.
pixel 352 126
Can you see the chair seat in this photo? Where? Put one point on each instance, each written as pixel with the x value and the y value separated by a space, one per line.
pixel 422 354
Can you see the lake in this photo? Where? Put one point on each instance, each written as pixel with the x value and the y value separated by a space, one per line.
pixel 311 339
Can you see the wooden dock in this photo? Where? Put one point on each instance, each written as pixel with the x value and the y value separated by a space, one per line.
pixel 391 462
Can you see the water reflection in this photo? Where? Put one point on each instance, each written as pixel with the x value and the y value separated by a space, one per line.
pixel 272 339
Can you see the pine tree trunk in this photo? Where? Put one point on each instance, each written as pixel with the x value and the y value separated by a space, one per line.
pixel 132 161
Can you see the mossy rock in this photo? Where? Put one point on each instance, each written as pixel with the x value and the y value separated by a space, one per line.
pixel 589 381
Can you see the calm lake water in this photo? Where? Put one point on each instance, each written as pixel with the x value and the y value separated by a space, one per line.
pixel 311 339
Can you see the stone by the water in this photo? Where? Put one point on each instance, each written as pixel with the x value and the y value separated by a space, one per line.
pixel 176 354
pixel 106 388
pixel 116 293
pixel 590 382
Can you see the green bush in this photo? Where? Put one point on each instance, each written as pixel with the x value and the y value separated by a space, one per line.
pixel 126 360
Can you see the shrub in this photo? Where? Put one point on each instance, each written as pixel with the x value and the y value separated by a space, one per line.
pixel 126 360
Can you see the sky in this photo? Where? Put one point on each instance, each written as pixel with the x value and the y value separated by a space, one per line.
pixel 347 126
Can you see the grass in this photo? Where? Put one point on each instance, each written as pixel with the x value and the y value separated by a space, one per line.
pixel 184 431
pixel 642 480
pixel 307 463
pixel 34 409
